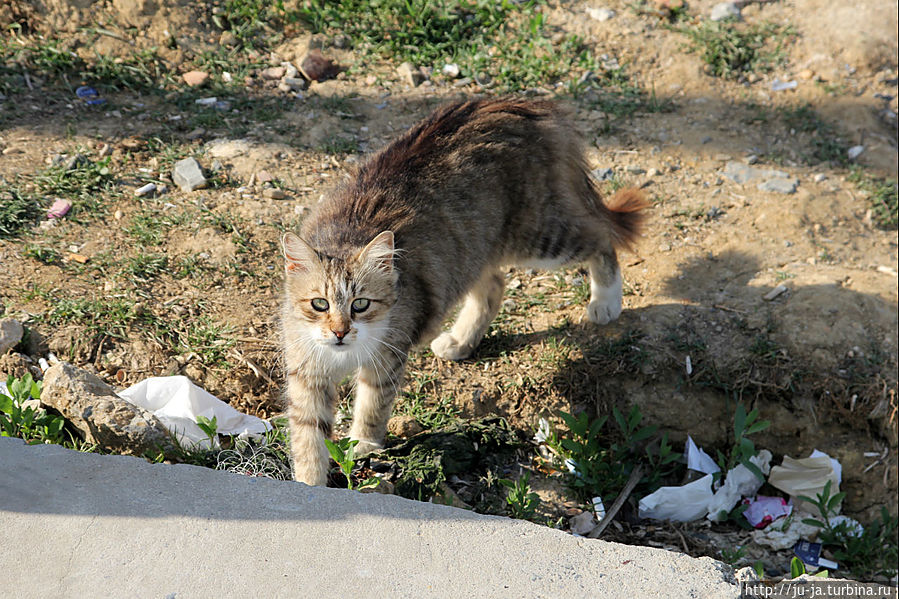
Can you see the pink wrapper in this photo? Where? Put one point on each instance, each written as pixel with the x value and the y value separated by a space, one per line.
pixel 59 209
pixel 762 510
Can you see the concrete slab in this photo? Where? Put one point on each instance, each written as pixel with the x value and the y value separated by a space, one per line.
pixel 85 525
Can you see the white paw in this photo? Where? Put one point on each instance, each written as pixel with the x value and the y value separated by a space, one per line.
pixel 445 346
pixel 315 475
pixel 605 302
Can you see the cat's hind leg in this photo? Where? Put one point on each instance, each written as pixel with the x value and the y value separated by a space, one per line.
pixel 479 309
pixel 605 288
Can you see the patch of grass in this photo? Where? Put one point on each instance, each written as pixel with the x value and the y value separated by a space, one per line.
pixel 882 197
pixel 624 354
pixel 144 267
pixel 78 179
pixel 17 211
pixel 248 20
pixel 339 145
pixel 733 49
pixel 108 316
pixel 821 137
pixel 142 70
pixel 148 226
pixel 430 412
pixel 42 253
pixel 521 501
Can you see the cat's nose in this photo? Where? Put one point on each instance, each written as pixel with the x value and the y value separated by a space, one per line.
pixel 340 334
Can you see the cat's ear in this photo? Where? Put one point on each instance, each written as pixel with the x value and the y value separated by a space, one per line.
pixel 379 252
pixel 298 255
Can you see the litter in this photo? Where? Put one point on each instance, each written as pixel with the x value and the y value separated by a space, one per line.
pixel 59 208
pixel 806 476
pixel 680 504
pixel 740 482
pixel 784 533
pixel 177 402
pixel 699 460
pixel 810 554
pixel 90 96
pixel 599 508
pixel 778 86
pixel 145 189
pixel 762 510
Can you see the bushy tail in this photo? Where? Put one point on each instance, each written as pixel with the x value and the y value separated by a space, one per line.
pixel 626 213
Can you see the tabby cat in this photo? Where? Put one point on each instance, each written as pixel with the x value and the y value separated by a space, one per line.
pixel 429 219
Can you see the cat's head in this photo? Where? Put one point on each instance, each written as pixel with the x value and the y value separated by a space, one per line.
pixel 340 306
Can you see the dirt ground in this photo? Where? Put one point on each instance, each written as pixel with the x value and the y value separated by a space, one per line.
pixel 819 360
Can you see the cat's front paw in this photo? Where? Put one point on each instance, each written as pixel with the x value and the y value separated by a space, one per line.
pixel 447 347
pixel 363 448
pixel 604 311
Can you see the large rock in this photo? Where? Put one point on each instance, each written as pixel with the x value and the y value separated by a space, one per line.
pixel 11 332
pixel 102 416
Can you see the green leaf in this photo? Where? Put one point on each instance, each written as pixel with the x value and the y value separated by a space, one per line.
pixel 739 422
pixel 757 427
pixel 797 568
pixel 835 501
pixel 814 522
pixel 6 404
pixel 759 568
pixel 335 451
pixel 619 418
pixel 822 574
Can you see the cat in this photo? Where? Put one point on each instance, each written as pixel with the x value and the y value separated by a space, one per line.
pixel 426 221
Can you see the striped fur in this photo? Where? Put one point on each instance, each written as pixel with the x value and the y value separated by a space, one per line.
pixel 424 224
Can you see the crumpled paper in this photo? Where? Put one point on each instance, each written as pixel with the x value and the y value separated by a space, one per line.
pixel 177 402
pixel 680 504
pixel 740 482
pixel 699 460
pixel 762 511
pixel 807 476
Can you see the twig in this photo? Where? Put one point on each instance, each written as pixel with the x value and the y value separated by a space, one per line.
pixel 683 541
pixel 726 309
pixel 255 368
pixel 619 501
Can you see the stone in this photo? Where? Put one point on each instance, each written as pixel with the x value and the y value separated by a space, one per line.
pixel 855 151
pixel 410 75
pixel 103 417
pixel 273 193
pixel 273 73
pixel 743 173
pixel 404 426
pixel 290 70
pixel 11 332
pixel 316 67
pixel 779 185
pixel 228 39
pixel 295 84
pixel 583 523
pixel 635 170
pixel 188 175
pixel 602 174
pixel 195 78
pixel 451 70
pixel 600 14
pixel 725 10
pixel 13 364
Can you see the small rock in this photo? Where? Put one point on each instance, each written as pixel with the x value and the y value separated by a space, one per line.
pixel 483 79
pixel 273 193
pixel 59 208
pixel 100 415
pixel 653 172
pixel 195 78
pixel 264 177
pixel 820 177
pixel 806 74
pixel 462 82
pixel 341 41
pixel 188 175
pixel 778 86
pixel 290 70
pixel 635 170
pixel 774 293
pixel 583 523
pixel 743 173
pixel 273 73
pixel 316 67
pixel 105 150
pixel 600 14
pixel 410 75
pixel 12 364
pixel 779 185
pixel 295 84
pixel 855 151
pixel 404 426
pixel 11 331
pixel 145 189
pixel 602 174
pixel 725 10
pixel 227 39
pixel 451 70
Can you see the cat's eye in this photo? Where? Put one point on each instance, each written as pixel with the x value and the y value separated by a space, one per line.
pixel 320 304
pixel 360 304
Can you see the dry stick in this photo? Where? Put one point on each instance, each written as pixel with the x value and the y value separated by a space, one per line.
pixel 619 501
pixel 254 367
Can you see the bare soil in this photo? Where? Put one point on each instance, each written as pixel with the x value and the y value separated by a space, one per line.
pixel 819 360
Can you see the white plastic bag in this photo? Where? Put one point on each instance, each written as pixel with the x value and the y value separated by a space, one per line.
pixel 681 504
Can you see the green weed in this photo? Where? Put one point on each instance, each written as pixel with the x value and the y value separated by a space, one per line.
pixel 78 179
pixel 32 425
pixel 522 503
pixel 882 197
pixel 343 452
pixel 101 316
pixel 17 211
pixel 732 49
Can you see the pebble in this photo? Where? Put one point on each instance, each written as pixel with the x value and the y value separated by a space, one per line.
pixel 409 74
pixel 743 173
pixel 316 67
pixel 778 86
pixel 273 193
pixel 227 39
pixel 600 14
pixel 855 151
pixel 290 71
pixel 264 177
pixel 635 170
pixel 195 78
pixel 653 172
pixel 145 189
pixel 463 82
pixel 583 523
pixel 602 174
pixel 118 214
pixel 725 10
pixel 820 177
pixel 188 175
pixel 451 70
pixel 779 185
pixel 294 84
pixel 780 289
pixel 273 73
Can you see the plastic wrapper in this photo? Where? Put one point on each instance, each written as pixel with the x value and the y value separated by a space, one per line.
pixel 699 460
pixel 177 402
pixel 762 510
pixel 680 504
pixel 807 476
pixel 740 482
